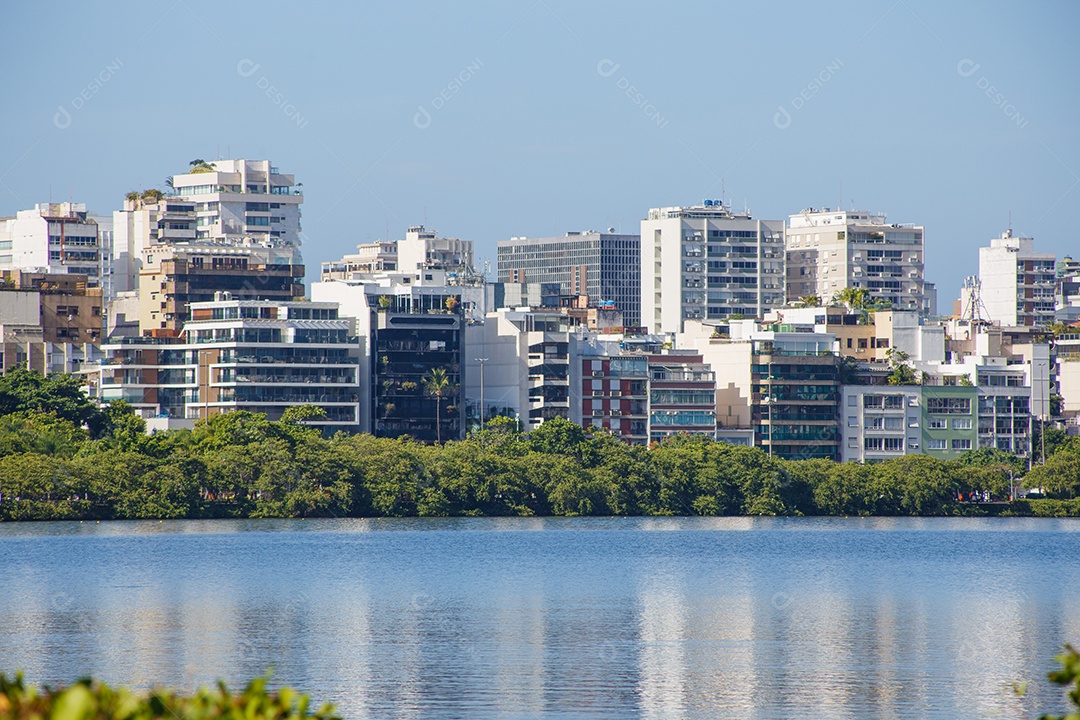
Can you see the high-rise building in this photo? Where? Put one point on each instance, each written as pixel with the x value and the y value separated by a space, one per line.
pixel 779 381
pixel 174 275
pixel 404 331
pixel 1018 283
pixel 52 238
pixel 603 265
pixel 256 355
pixel 144 222
pixel 242 199
pixel 830 250
pixel 708 262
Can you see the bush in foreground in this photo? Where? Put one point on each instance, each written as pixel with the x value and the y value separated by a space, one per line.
pixel 89 700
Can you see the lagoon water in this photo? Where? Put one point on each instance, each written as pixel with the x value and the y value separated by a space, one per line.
pixel 558 618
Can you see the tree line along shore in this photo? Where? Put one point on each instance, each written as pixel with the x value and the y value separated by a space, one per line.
pixel 63 457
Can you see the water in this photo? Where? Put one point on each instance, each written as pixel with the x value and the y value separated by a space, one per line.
pixel 558 618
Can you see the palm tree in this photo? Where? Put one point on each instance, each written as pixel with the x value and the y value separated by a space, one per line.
pixel 809 301
pixel 853 298
pixel 437 383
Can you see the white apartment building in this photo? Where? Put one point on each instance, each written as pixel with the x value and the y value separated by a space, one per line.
pixel 422 251
pixel 236 199
pixel 52 238
pixel 829 250
pixel 708 262
pixel 369 259
pixel 1018 283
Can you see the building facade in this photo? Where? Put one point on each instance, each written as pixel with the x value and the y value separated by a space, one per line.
pixel 602 265
pixel 830 250
pixel 404 332
pixel 1018 283
pixel 708 262
pixel 260 356
pixel 173 276
pixel 242 199
pixel 55 238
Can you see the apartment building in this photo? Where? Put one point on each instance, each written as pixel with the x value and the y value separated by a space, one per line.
pixel 1018 283
pixel 242 199
pixel 173 276
pixel 776 383
pixel 605 266
pixel 404 331
pixel 943 421
pixel 369 259
pixel 146 220
pixel 830 250
pixel 257 355
pixel 682 396
pixel 708 262
pixel 54 238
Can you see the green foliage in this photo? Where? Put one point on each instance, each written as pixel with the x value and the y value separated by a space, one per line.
pixel 901 371
pixel 242 464
pixel 28 391
pixel 1069 678
pixel 90 700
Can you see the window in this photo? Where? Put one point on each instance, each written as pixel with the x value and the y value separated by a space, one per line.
pixel 894 423
pixel 935 444
pixel 872 444
pixel 852 421
pixel 961 423
pixel 936 424
pixel 894 444
pixel 949 405
pixel 874 423
pixel 961 444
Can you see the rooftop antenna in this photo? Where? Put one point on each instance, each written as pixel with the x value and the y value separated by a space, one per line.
pixel 841 205
pixel 974 310
pixel 723 192
pixel 1010 222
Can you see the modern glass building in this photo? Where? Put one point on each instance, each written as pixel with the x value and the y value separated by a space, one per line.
pixel 603 265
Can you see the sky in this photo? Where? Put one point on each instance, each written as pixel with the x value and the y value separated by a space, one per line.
pixel 491 120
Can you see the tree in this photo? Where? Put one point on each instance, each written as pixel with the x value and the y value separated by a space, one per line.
pixel 452 304
pixel 23 390
pixel 302 414
pixel 809 301
pixel 437 384
pixel 853 298
pixel 902 373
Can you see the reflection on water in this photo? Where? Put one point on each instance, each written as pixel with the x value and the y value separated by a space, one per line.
pixel 614 617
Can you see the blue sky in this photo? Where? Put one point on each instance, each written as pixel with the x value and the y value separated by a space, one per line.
pixel 534 117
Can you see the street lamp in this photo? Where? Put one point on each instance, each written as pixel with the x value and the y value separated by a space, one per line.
pixel 204 375
pixel 1043 411
pixel 482 412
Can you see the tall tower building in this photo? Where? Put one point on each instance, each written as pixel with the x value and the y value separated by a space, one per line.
pixel 603 265
pixel 1017 283
pixel 708 262
pixel 830 250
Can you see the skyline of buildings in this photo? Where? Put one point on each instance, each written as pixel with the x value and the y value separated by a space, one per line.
pixel 694 325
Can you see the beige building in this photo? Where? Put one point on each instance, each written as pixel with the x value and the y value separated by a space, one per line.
pixel 173 276
pixel 830 250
